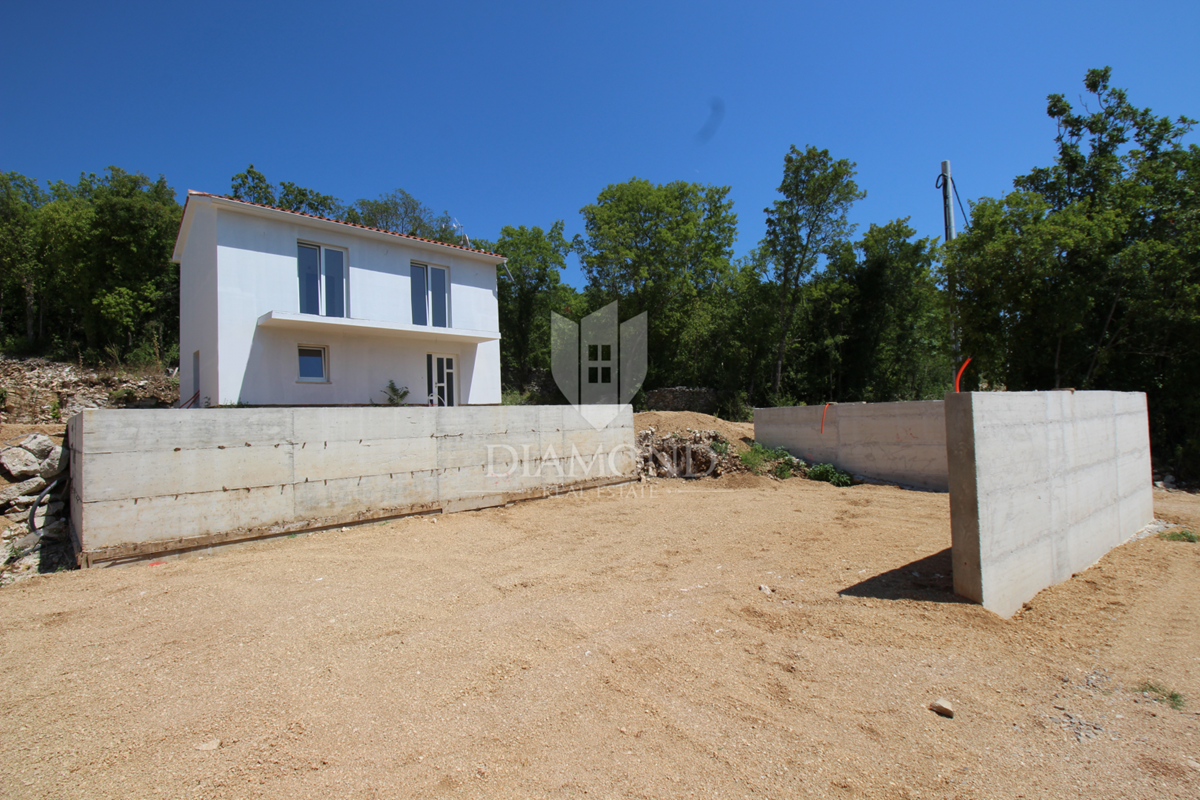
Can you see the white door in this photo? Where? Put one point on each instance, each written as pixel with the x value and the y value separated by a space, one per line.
pixel 440 379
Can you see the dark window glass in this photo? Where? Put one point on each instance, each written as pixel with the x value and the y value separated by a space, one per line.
pixel 418 297
pixel 593 352
pixel 606 353
pixel 309 264
pixel 335 283
pixel 312 364
pixel 606 374
pixel 437 296
pixel 593 372
pixel 449 385
pixel 429 377
pixel 449 363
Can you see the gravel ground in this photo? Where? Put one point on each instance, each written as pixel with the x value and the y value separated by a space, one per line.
pixel 614 643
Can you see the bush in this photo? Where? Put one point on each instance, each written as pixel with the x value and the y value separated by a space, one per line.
pixel 393 395
pixel 735 407
pixel 830 474
pixel 1180 536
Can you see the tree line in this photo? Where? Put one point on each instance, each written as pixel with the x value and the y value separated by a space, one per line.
pixel 1086 276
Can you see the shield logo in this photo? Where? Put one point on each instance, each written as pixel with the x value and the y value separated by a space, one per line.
pixel 599 364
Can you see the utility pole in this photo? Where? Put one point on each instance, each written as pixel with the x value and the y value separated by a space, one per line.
pixel 952 287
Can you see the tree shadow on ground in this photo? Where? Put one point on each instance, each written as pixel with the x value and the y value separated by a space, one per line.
pixel 929 579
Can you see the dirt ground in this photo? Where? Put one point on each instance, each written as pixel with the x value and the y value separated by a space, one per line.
pixel 613 643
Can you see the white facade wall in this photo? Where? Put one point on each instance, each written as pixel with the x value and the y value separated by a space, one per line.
pixel 239 263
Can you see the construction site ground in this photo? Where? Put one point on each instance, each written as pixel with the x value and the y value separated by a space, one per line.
pixel 731 637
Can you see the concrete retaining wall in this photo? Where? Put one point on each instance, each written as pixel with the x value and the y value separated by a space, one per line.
pixel 153 481
pixel 1042 485
pixel 903 443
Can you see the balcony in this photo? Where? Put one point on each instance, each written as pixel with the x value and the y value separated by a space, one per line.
pixel 371 327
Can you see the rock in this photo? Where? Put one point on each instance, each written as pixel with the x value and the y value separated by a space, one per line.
pixel 19 463
pixel 1169 481
pixel 31 486
pixel 764 588
pixel 942 707
pixel 211 744
pixel 55 531
pixel 1193 764
pixel 1159 485
pixel 38 444
pixel 54 464
pixel 51 511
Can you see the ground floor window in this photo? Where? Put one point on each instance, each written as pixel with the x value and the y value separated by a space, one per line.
pixel 314 363
pixel 439 371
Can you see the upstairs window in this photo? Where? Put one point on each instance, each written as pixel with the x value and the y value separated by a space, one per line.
pixel 430 295
pixel 322 272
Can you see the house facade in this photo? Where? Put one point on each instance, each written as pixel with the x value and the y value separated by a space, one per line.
pixel 283 308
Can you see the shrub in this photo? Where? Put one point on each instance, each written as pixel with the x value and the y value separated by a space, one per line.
pixel 1180 536
pixel 830 474
pixel 393 395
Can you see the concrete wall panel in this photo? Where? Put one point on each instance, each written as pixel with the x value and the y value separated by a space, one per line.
pixel 1043 484
pixel 900 442
pixel 147 481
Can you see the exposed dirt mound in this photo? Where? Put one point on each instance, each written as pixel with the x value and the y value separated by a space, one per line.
pixel 741 434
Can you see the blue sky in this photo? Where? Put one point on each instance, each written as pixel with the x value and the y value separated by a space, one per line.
pixel 511 114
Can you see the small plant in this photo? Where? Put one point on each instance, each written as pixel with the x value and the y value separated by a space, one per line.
pixel 56 411
pixel 830 474
pixel 123 396
pixel 783 470
pixel 514 397
pixel 393 395
pixel 3 396
pixel 1161 693
pixel 753 459
pixel 1180 536
pixel 719 446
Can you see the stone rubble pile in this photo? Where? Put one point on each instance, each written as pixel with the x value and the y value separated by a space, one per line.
pixel 32 463
pixel 36 391
pixel 693 454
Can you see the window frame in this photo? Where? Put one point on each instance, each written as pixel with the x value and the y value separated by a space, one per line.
pixel 322 279
pixel 429 317
pixel 325 378
pixel 450 371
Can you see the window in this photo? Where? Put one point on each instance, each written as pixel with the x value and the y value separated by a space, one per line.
pixel 322 272
pixel 430 295
pixel 314 364
pixel 601 356
pixel 439 372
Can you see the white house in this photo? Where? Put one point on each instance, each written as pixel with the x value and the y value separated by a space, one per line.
pixel 283 308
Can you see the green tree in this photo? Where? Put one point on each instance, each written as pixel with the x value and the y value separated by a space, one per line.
pixel 1088 276
pixel 21 259
pixel 657 248
pixel 809 221
pixel 400 212
pixel 110 239
pixel 528 290
pixel 254 187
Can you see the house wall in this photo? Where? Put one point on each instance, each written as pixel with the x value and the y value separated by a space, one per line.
pixel 1042 485
pixel 198 307
pixel 155 481
pixel 903 443
pixel 240 264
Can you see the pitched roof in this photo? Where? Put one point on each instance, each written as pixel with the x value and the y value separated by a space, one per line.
pixel 342 222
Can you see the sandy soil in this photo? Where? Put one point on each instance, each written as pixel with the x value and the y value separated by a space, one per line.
pixel 740 433
pixel 613 643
